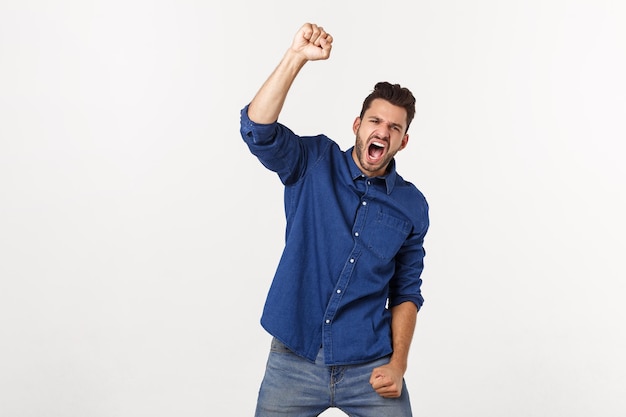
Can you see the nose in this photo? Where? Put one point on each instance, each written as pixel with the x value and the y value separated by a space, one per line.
pixel 383 131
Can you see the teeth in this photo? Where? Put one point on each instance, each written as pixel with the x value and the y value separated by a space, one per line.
pixel 379 144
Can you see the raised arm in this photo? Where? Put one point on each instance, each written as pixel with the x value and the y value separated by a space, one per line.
pixel 311 43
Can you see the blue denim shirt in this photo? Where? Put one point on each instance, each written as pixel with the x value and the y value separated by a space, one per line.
pixel 353 247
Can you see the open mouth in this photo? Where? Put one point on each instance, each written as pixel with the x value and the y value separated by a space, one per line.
pixel 376 150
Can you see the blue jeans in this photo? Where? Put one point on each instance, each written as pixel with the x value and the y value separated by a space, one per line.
pixel 295 387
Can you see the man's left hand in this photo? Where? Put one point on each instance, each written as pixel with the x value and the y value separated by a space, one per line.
pixel 387 381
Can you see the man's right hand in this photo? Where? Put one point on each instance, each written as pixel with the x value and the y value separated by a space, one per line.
pixel 313 42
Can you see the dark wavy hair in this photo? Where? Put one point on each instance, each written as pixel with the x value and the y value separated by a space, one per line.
pixel 394 94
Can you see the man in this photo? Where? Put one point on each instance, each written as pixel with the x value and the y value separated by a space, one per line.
pixel 344 299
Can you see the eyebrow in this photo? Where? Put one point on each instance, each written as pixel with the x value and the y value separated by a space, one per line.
pixel 391 124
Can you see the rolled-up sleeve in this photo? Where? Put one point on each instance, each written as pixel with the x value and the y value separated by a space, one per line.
pixel 276 147
pixel 256 134
pixel 407 282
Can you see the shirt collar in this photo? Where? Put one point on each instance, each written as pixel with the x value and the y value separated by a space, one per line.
pixel 389 177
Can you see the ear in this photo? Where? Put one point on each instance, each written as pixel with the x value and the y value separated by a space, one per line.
pixel 405 141
pixel 356 125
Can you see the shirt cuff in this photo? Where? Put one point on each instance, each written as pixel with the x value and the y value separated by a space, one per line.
pixel 256 133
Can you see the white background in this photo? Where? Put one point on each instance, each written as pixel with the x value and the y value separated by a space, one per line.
pixel 138 236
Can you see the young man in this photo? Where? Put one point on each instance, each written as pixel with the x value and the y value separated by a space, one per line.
pixel 344 299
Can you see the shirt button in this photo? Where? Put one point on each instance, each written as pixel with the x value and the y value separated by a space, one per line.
pixel 327 321
pixel 356 234
pixel 369 182
pixel 364 203
pixel 338 291
pixel 352 260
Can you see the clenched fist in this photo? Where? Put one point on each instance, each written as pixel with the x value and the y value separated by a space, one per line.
pixel 387 381
pixel 313 42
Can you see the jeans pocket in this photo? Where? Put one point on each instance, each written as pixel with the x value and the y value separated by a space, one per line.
pixel 279 347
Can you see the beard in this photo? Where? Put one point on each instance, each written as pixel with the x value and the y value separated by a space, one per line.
pixel 363 150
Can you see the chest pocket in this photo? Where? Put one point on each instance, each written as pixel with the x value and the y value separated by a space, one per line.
pixel 385 234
